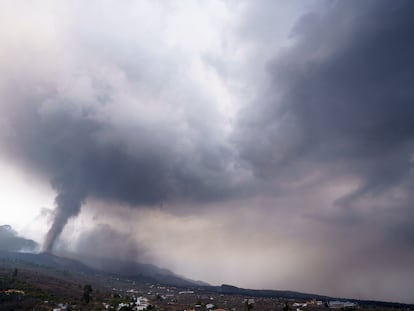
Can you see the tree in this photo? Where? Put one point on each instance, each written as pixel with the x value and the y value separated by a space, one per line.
pixel 248 304
pixel 15 272
pixel 86 297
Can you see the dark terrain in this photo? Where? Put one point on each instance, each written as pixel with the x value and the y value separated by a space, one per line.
pixel 45 281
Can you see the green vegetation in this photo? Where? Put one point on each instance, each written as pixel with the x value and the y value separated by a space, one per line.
pixel 29 289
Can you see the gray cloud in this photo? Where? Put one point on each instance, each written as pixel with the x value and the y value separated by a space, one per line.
pixel 340 97
pixel 104 247
pixel 319 159
pixel 119 124
pixel 85 156
pixel 11 241
pixel 338 105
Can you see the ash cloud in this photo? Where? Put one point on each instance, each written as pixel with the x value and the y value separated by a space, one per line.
pixel 84 157
pixel 12 242
pixel 340 99
pixel 322 148
pixel 104 247
pixel 106 127
pixel 339 105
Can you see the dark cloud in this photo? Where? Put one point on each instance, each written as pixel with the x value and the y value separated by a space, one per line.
pixel 11 241
pixel 339 104
pixel 85 157
pixel 341 97
pixel 88 148
pixel 318 163
pixel 104 247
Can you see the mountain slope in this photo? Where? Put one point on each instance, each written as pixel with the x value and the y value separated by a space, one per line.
pixel 47 260
pixel 126 269
pixel 136 270
pixel 130 272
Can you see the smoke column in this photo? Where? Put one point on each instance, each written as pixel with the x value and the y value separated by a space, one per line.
pixel 68 204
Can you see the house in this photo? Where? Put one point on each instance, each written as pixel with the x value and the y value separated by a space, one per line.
pixel 141 304
pixel 123 305
pixel 249 301
pixel 341 304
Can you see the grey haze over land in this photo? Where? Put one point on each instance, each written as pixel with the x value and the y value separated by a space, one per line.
pixel 12 242
pixel 264 144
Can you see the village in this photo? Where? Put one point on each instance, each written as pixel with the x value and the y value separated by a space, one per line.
pixel 26 286
pixel 119 294
pixel 162 297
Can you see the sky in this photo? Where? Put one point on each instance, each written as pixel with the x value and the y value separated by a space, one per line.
pixel 263 144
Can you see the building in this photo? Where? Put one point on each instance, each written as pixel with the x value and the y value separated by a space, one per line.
pixel 336 304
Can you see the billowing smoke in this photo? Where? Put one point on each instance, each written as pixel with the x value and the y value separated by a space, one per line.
pixel 99 244
pixel 67 206
pixel 84 159
pixel 121 126
pixel 114 106
pixel 339 100
pixel 93 150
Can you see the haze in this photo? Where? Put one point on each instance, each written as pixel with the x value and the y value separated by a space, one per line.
pixel 264 144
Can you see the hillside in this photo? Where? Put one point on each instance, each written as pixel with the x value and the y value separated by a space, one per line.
pixel 126 269
pixel 48 280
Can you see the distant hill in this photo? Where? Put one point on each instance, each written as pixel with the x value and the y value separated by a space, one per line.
pixel 229 289
pixel 135 270
pixel 233 290
pixel 47 260
pixel 125 269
